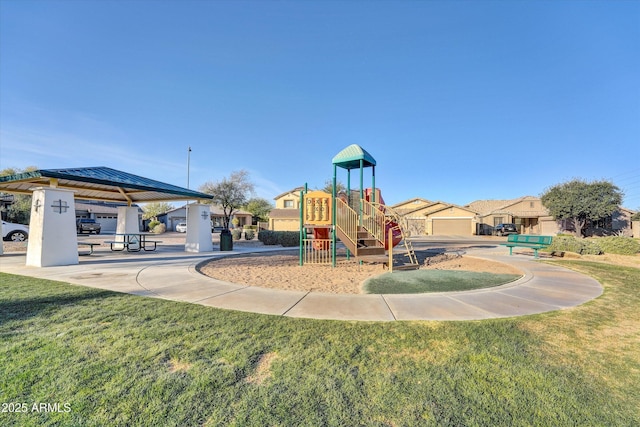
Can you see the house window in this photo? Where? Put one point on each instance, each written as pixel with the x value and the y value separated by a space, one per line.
pixel 532 204
pixel 498 220
pixel 288 203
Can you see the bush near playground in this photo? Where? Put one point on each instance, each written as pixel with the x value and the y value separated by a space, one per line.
pixel 618 245
pixel 284 238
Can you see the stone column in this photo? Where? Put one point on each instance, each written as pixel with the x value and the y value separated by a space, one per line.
pixel 198 228
pixel 127 223
pixel 52 230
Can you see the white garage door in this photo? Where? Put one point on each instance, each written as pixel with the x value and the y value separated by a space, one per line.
pixel 108 223
pixel 450 227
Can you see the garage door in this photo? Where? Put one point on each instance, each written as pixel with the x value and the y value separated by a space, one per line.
pixel 548 228
pixel 108 223
pixel 458 227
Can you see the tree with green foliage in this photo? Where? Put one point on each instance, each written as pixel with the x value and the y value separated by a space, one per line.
pixel 636 216
pixel 328 187
pixel 152 210
pixel 230 193
pixel 580 202
pixel 20 209
pixel 259 208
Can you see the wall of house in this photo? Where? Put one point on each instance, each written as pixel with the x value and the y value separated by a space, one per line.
pixel 494 219
pixel 284 224
pixel 292 198
pixel 549 226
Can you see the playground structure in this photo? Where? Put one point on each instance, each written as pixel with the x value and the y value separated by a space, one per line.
pixel 359 219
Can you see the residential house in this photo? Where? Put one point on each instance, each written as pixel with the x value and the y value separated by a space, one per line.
pixel 617 223
pixel 106 213
pixel 531 217
pixel 424 217
pixel 176 216
pixel 527 213
pixel 286 215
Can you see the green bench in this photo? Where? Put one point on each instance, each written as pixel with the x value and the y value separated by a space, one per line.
pixel 527 241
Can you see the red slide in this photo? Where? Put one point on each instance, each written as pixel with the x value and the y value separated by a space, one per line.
pixel 321 233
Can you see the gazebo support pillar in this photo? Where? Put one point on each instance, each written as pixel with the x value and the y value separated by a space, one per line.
pixel 128 223
pixel 52 230
pixel 198 228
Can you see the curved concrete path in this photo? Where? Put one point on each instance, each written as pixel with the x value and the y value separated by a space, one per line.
pixel 172 275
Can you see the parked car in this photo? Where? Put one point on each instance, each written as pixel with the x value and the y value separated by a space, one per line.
pixel 505 229
pixel 182 227
pixel 14 232
pixel 217 229
pixel 88 225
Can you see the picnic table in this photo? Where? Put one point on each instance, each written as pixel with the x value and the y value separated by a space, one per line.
pixel 133 242
pixel 90 244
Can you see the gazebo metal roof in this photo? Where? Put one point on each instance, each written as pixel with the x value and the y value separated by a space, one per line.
pixel 350 157
pixel 99 183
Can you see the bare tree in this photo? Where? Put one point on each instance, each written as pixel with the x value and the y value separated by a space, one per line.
pixel 230 193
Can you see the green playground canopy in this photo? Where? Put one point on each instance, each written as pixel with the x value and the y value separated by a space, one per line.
pixel 350 158
pixel 99 183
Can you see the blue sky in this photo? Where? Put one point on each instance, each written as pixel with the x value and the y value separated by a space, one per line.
pixel 456 100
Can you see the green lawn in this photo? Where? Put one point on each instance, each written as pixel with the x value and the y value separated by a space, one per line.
pixel 424 281
pixel 111 359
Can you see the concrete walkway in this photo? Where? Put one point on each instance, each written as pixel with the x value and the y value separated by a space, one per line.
pixel 171 274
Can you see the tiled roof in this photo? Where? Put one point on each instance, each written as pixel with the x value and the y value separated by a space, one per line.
pixel 295 191
pixel 280 213
pixel 485 207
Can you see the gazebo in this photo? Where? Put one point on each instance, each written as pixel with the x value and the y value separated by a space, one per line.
pixel 52 238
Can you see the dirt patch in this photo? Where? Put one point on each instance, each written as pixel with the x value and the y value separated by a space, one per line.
pixel 622 260
pixel 263 369
pixel 282 271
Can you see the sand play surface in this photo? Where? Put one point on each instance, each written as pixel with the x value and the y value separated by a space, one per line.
pixel 280 270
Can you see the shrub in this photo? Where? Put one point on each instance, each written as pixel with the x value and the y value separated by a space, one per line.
pixel 289 238
pixel 159 229
pixel 591 247
pixel 565 244
pixel 268 237
pixel 619 245
pixel 153 224
pixel 249 234
pixel 236 233
pixel 284 238
pixel 571 244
